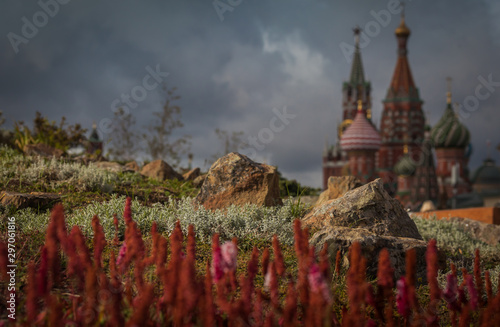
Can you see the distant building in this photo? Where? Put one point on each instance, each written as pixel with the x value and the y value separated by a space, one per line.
pixel 486 182
pixel 94 142
pixel 401 152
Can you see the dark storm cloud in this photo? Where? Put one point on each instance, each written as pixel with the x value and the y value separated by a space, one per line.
pixel 232 73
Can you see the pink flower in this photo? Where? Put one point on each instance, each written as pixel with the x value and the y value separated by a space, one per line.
pixel 402 299
pixel 121 254
pixel 223 260
pixel 229 252
pixel 317 282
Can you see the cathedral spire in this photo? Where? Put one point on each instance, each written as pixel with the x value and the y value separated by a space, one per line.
pixel 357 74
pixel 402 84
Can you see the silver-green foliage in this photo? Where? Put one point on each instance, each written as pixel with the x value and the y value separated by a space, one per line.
pixel 453 237
pixel 245 222
pixel 13 165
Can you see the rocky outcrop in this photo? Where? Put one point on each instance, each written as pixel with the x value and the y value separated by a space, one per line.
pixel 337 187
pixel 370 216
pixel 236 179
pixel 133 166
pixel 192 174
pixel 43 150
pixel 368 206
pixel 36 200
pixel 341 238
pixel 198 181
pixel 160 170
pixel 427 206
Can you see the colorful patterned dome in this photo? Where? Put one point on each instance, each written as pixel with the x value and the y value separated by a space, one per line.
pixel 449 132
pixel 405 166
pixel 360 135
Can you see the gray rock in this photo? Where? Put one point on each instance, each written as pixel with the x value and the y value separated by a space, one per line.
pixel 133 166
pixel 160 170
pixel 337 187
pixel 341 238
pixel 36 200
pixel 236 179
pixel 192 174
pixel 368 206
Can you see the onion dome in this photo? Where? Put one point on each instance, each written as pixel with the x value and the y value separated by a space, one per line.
pixel 449 132
pixel 488 173
pixel 402 30
pixel 360 135
pixel 405 166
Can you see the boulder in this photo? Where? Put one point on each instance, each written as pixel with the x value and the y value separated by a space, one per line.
pixel 368 206
pixel 341 238
pixel 337 187
pixel 428 206
pixel 110 166
pixel 192 174
pixel 36 200
pixel 487 233
pixel 236 179
pixel 132 165
pixel 198 181
pixel 160 170
pixel 43 150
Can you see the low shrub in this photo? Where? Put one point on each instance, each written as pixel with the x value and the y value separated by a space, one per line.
pixel 160 284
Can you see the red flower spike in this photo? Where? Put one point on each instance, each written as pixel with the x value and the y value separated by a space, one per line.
pixel 127 212
pixel 489 289
pixel 290 311
pixel 338 263
pixel 385 273
pixel 99 241
pixel 477 276
pixel 278 257
pixel 208 315
pixel 31 294
pixel 435 292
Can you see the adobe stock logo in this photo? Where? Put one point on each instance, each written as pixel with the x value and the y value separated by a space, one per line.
pixel 484 89
pixel 221 7
pixel 40 19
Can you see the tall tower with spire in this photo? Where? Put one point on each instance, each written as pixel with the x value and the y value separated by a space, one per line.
pixel 355 93
pixel 402 121
pixel 355 89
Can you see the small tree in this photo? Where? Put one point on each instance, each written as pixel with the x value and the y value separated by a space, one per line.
pixel 159 144
pixel 49 132
pixel 123 141
pixel 231 142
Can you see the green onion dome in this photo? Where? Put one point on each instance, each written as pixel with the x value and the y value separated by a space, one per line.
pixel 449 132
pixel 405 166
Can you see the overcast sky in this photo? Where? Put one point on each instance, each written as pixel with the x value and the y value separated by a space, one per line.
pixel 233 62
